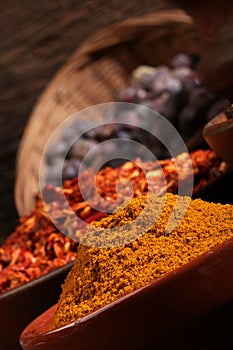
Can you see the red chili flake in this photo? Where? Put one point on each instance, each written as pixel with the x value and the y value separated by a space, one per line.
pixel 37 247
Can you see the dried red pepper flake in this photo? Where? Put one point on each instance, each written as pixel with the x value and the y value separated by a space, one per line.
pixel 37 247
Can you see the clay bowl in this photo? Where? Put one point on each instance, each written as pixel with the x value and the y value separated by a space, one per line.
pixel 218 133
pixel 21 305
pixel 140 319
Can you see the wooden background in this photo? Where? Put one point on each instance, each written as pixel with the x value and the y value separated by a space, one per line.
pixel 36 38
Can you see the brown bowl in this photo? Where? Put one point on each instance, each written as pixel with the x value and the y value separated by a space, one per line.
pixel 26 302
pixel 141 318
pixel 21 305
pixel 218 133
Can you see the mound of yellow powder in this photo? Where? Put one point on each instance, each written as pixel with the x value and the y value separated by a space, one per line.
pixel 101 275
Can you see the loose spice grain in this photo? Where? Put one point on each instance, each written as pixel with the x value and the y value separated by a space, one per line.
pixel 38 247
pixel 100 276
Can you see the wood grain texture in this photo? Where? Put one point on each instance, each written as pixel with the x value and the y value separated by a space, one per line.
pixel 36 38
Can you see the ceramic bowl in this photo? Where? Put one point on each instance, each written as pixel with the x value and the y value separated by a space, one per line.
pixel 24 303
pixel 141 318
pixel 21 305
pixel 218 133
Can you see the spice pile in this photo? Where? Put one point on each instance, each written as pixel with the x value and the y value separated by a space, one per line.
pixel 100 276
pixel 206 167
pixel 172 90
pixel 37 246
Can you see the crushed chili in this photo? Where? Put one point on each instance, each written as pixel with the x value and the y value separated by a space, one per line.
pixel 37 247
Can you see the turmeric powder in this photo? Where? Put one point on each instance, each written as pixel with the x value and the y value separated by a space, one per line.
pixel 102 275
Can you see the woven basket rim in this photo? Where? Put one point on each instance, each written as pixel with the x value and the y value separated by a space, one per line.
pixel 99 41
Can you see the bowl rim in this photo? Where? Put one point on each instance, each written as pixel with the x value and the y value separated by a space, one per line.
pixel 33 283
pixel 219 124
pixel 30 336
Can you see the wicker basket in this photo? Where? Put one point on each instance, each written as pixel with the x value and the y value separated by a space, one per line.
pixel 93 75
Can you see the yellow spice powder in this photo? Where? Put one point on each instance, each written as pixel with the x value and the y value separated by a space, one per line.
pixel 102 275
